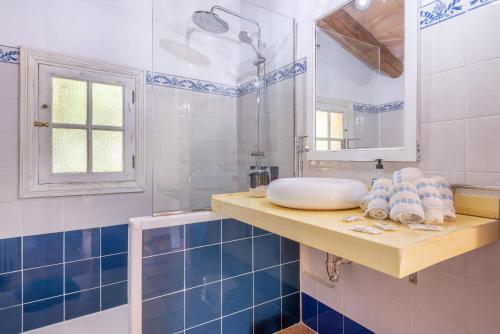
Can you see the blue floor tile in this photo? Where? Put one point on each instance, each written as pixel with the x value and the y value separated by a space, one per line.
pixel 203 304
pixel 11 320
pixel 329 320
pixel 163 315
pixel 213 327
pixel 236 258
pixel 82 303
pixel 266 251
pixel 310 312
pixel 42 250
pixel 267 317
pixel 114 239
pixel 162 240
pixel 290 250
pixel 114 295
pixel 202 234
pixel 352 327
pixel 162 274
pixel 43 313
pixel 114 268
pixel 44 282
pixel 290 313
pixel 267 285
pixel 82 275
pixel 290 278
pixel 82 244
pixel 10 289
pixel 10 255
pixel 239 323
pixel 203 265
pixel 233 229
pixel 237 294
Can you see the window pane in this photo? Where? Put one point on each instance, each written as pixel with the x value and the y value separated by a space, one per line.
pixel 335 146
pixel 336 125
pixel 322 145
pixel 107 104
pixel 69 151
pixel 69 101
pixel 322 124
pixel 107 151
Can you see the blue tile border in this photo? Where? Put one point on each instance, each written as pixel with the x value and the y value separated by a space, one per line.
pixel 373 108
pixel 62 279
pixel 9 54
pixel 439 11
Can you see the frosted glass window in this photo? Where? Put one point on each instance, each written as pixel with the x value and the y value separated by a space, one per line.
pixel 336 125
pixel 322 124
pixel 322 145
pixel 69 101
pixel 107 104
pixel 69 151
pixel 107 151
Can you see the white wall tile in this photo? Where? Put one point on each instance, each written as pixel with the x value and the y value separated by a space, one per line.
pixel 358 303
pixel 443 46
pixel 444 96
pixel 398 290
pixel 434 324
pixel 9 80
pixel 9 109
pixel 8 182
pixel 443 146
pixel 11 222
pixel 392 317
pixel 483 303
pixel 483 265
pixel 42 216
pixel 118 209
pixel 483 179
pixel 483 94
pixel 82 212
pixel 483 153
pixel 8 151
pixel 481 39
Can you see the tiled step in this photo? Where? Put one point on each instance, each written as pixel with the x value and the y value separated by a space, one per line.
pixel 297 329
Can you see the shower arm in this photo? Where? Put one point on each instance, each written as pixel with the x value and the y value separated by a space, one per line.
pixel 228 11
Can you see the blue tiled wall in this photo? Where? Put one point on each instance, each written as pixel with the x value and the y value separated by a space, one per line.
pixel 49 278
pixel 325 320
pixel 219 276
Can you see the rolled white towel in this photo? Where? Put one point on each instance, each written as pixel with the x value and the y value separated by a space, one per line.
pixel 410 174
pixel 363 202
pixel 446 195
pixel 428 191
pixel 378 206
pixel 404 204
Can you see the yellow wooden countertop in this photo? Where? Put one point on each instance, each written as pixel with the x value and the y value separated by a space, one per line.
pixel 398 253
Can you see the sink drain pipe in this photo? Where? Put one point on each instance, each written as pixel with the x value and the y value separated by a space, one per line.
pixel 334 266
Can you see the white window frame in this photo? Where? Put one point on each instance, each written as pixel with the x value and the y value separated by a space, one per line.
pixel 35 147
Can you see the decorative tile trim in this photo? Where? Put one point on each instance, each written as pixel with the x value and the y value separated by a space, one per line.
pixel 283 73
pixel 439 11
pixel 474 4
pixel 373 108
pixel 9 54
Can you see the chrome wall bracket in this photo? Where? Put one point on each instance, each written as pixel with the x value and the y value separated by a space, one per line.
pixel 334 266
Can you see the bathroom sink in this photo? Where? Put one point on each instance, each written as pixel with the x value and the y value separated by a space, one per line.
pixel 314 193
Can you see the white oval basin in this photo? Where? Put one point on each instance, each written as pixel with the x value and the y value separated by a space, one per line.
pixel 315 193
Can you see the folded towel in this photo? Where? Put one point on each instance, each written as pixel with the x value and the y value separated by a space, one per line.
pixel 378 206
pixel 404 204
pixel 363 202
pixel 409 174
pixel 428 191
pixel 446 195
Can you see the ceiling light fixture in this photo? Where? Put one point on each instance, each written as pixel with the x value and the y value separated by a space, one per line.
pixel 362 4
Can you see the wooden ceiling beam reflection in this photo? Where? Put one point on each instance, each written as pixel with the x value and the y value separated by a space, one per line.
pixel 348 32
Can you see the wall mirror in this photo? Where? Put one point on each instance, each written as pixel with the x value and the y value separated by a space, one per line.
pixel 363 81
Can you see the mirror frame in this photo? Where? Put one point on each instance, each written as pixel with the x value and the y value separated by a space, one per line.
pixel 410 150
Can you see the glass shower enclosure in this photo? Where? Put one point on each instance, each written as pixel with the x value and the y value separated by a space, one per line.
pixel 214 111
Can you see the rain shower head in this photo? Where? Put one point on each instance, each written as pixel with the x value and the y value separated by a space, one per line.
pixel 210 22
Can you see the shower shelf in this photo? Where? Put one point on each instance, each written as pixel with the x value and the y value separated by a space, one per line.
pixel 398 254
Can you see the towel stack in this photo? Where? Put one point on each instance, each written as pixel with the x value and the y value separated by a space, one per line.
pixel 428 191
pixel 446 195
pixel 404 204
pixel 378 203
